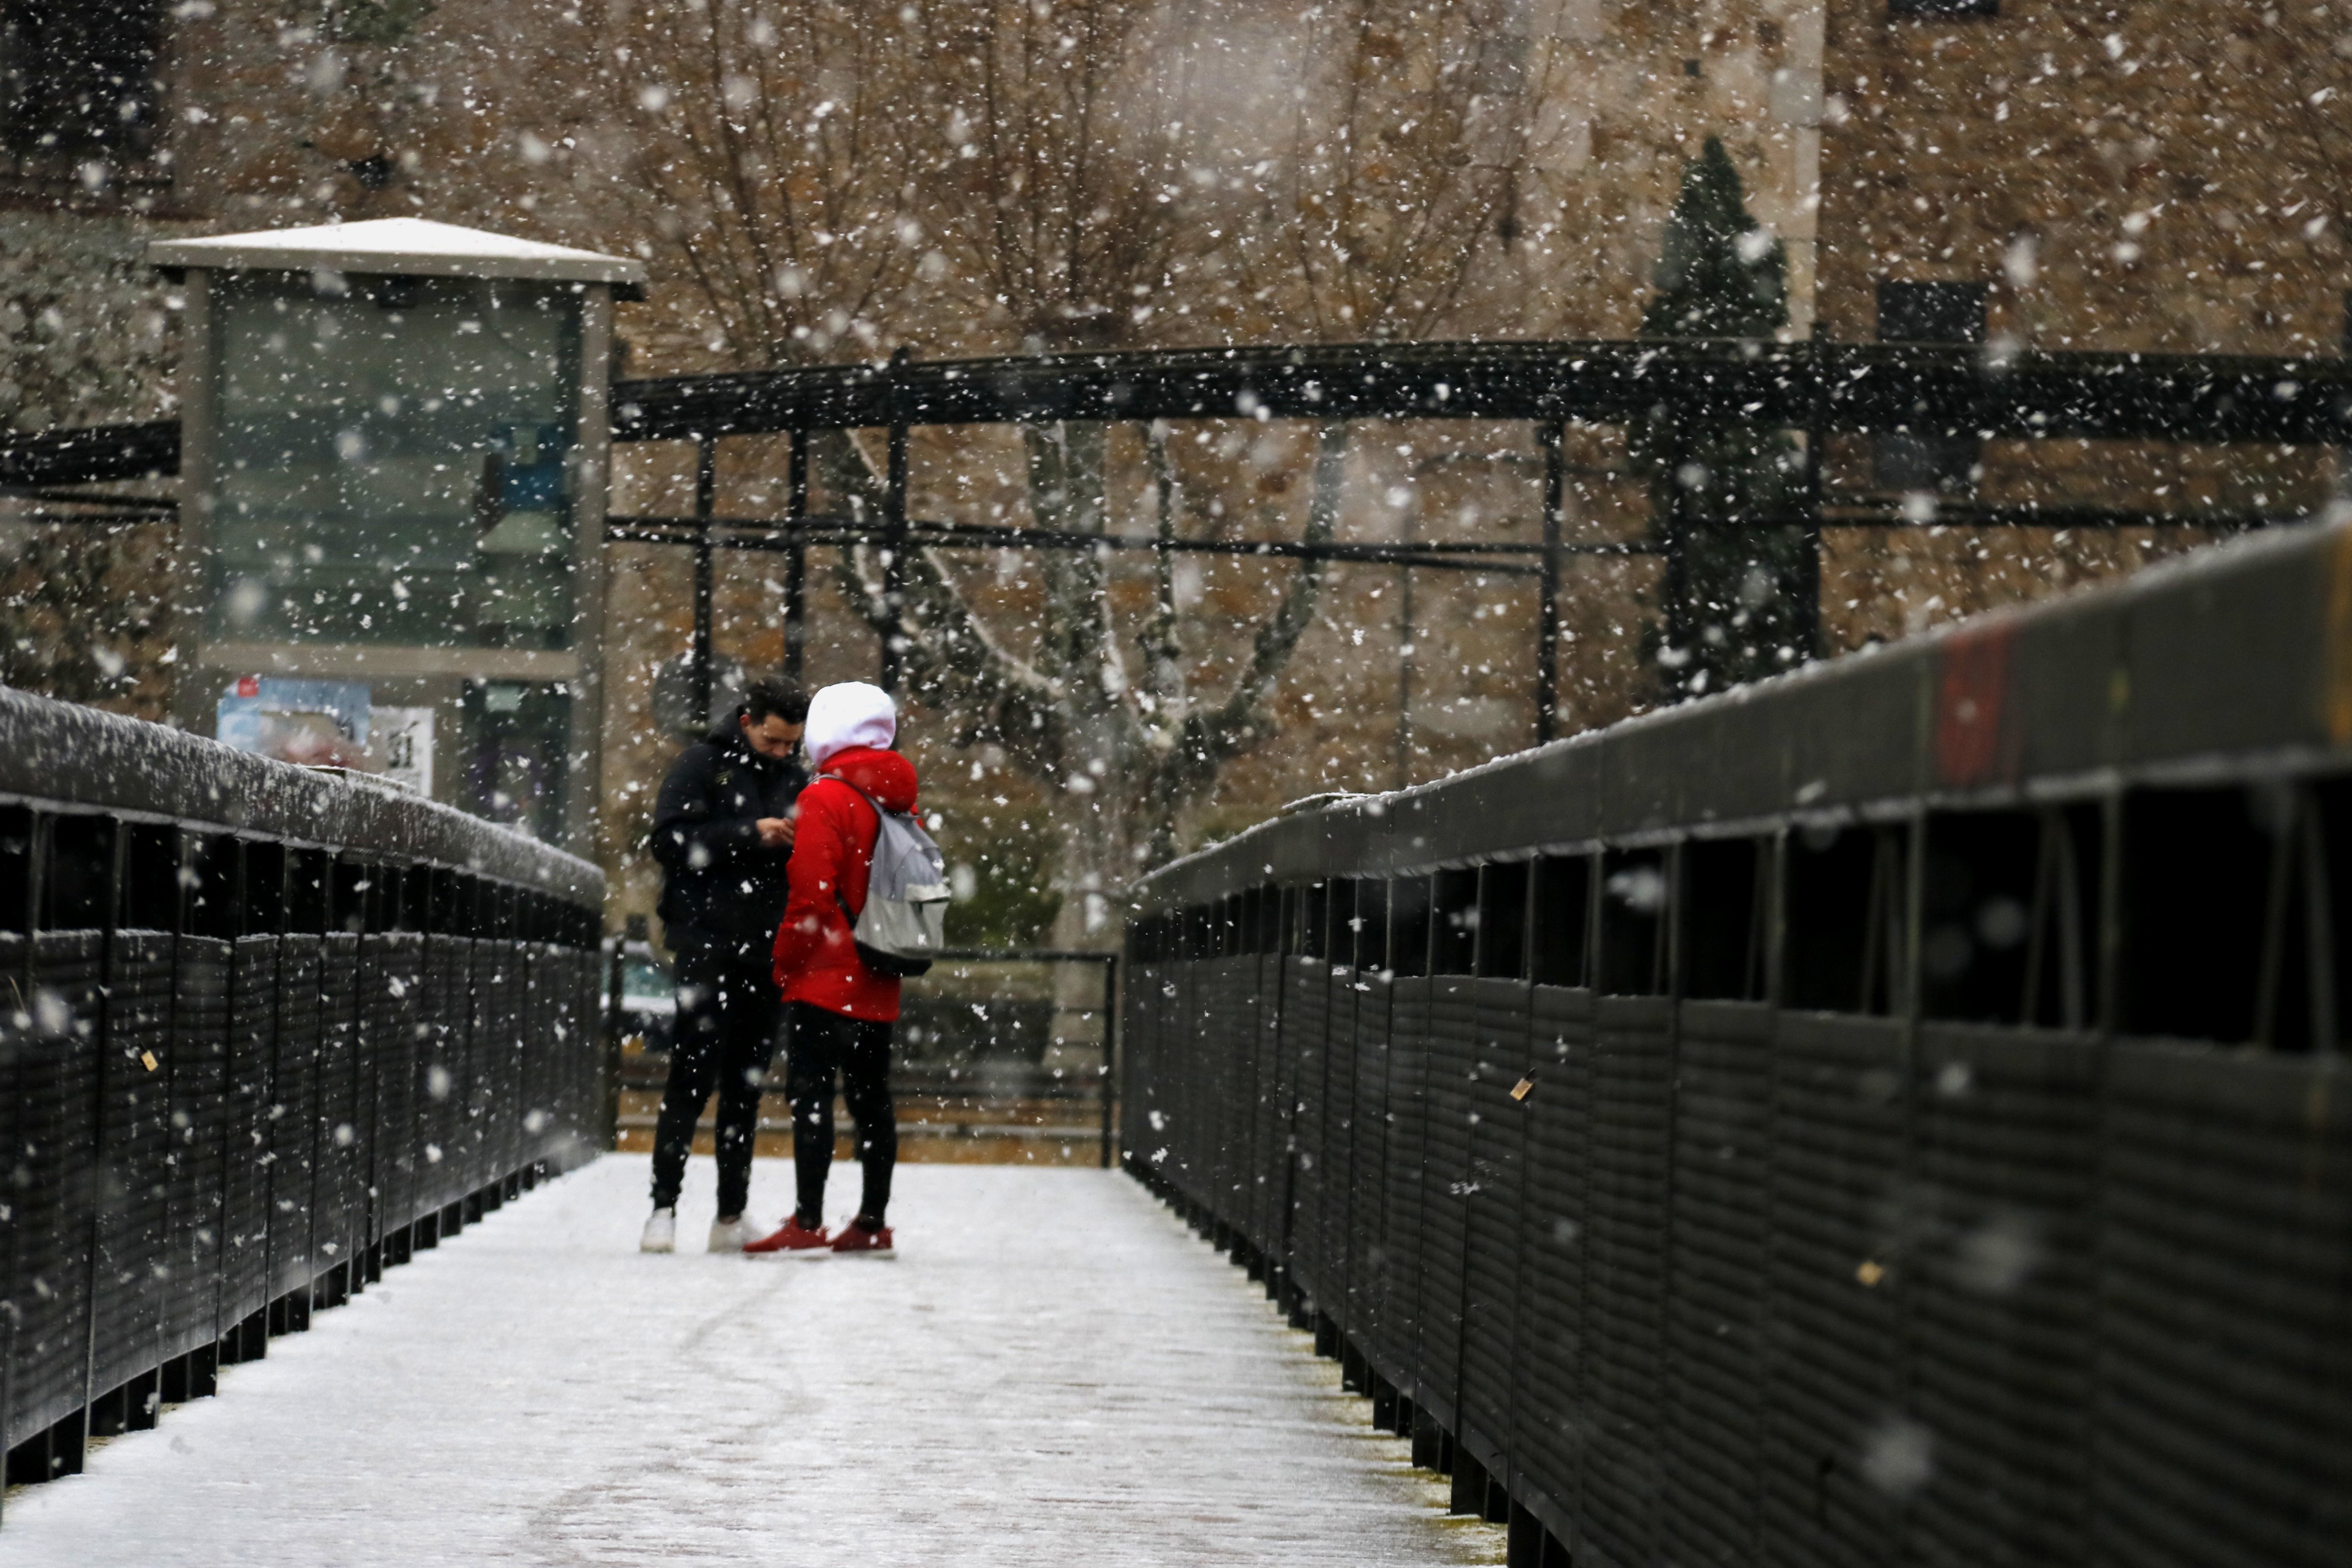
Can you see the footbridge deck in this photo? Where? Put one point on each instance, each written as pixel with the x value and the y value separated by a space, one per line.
pixel 1055 1371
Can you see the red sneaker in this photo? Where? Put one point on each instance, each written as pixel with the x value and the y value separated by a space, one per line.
pixel 855 1238
pixel 795 1240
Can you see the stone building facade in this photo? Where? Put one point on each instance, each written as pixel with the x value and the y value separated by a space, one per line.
pixel 2016 172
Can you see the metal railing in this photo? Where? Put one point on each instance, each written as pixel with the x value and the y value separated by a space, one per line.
pixel 1891 1113
pixel 262 1035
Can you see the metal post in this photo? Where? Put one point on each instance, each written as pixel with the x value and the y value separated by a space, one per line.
pixel 616 969
pixel 1805 625
pixel 706 504
pixel 1110 1050
pixel 1675 594
pixel 894 555
pixel 1551 438
pixel 796 557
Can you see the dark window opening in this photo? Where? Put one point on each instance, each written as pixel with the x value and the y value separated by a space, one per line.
pixel 381 889
pixel 1844 931
pixel 1562 903
pixel 1268 928
pixel 433 888
pixel 151 877
pixel 1315 937
pixel 1724 918
pixel 1409 925
pixel 473 912
pixel 2232 923
pixel 2009 917
pixel 1342 951
pixel 352 882
pixel 215 896
pixel 416 898
pixel 1372 925
pixel 1453 923
pixel 1931 314
pixel 265 891
pixel 79 82
pixel 17 881
pixel 308 891
pixel 1926 460
pixel 1503 919
pixel 77 889
pixel 1929 459
pixel 1931 9
pixel 1633 892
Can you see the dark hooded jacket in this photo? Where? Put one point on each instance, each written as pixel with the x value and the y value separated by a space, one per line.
pixel 719 885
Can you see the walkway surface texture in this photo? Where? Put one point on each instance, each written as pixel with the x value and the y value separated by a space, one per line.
pixel 1054 1371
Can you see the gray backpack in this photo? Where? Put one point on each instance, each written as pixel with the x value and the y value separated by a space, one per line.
pixel 904 924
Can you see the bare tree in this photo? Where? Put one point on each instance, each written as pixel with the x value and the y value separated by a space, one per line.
pixel 775 150
pixel 1066 202
pixel 82 609
pixel 1407 143
pixel 1054 174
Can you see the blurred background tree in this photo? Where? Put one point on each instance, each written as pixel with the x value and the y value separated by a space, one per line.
pixel 1730 595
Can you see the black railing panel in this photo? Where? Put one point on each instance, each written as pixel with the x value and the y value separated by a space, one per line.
pixel 1554 1426
pixel 1999 1288
pixel 1369 1267
pixel 1306 1021
pixel 2224 1196
pixel 1398 1347
pixel 1717 1271
pixel 1863 1212
pixel 219 1053
pixel 1494 1209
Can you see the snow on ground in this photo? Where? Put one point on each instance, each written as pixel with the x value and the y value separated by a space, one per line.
pixel 1053 1371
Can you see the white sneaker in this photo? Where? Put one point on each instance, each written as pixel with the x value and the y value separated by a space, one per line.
pixel 661 1232
pixel 729 1235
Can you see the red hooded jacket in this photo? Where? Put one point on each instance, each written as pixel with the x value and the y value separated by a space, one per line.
pixel 816 958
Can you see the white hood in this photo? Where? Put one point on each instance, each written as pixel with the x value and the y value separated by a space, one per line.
pixel 849 714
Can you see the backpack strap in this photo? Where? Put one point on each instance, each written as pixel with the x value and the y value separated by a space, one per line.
pixel 838 896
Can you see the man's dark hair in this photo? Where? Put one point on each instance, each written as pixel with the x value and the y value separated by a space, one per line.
pixel 773 697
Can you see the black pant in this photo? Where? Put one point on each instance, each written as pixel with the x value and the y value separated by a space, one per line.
pixel 820 1044
pixel 723 1037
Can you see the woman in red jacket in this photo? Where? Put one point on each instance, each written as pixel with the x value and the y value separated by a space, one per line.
pixel 838 1012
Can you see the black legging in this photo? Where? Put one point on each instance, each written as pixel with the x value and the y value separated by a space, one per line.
pixel 820 1044
pixel 721 1037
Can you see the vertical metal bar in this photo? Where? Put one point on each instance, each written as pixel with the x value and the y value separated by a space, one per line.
pixel 583 771
pixel 705 505
pixel 1805 625
pixel 118 839
pixel 1676 592
pixel 1550 436
pixel 1109 1051
pixel 894 556
pixel 616 947
pixel 796 557
pixel 2318 928
pixel 194 696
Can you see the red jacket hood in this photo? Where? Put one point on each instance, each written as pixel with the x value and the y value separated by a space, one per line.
pixel 886 775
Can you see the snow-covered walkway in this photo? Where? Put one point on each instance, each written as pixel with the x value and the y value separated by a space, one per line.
pixel 1054 1371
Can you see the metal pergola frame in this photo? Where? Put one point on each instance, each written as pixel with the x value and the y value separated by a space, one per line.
pixel 1816 387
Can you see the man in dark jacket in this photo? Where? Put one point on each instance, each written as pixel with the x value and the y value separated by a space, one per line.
pixel 722 834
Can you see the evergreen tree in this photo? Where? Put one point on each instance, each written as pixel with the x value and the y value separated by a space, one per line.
pixel 1735 618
